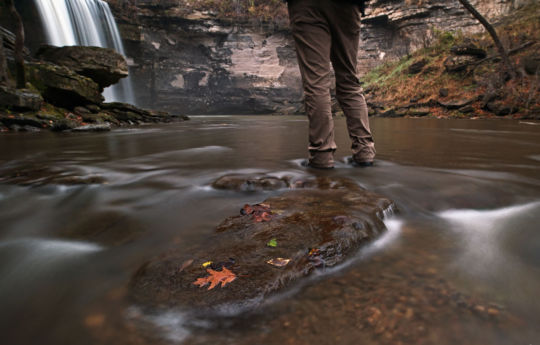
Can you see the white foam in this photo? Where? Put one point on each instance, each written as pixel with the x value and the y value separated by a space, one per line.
pixel 484 220
pixel 53 247
pixel 172 325
pixel 393 226
pixel 479 231
pixel 26 262
pixel 206 149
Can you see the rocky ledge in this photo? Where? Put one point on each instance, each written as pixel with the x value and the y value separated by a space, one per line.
pixel 265 248
pixel 63 91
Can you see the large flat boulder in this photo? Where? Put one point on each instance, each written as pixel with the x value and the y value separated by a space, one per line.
pixel 61 86
pixel 103 65
pixel 265 248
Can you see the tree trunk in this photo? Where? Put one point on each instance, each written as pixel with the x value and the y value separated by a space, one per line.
pixel 19 44
pixel 507 64
pixel 3 63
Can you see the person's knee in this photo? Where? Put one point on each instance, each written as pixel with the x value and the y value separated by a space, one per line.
pixel 347 86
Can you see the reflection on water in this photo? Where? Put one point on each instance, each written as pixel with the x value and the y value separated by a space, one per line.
pixel 459 265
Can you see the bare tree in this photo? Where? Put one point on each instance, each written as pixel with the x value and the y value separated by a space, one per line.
pixel 508 67
pixel 19 44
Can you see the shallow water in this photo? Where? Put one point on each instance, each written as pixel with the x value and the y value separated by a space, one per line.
pixel 460 263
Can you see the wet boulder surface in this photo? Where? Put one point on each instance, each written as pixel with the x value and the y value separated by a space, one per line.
pixel 265 248
pixel 251 182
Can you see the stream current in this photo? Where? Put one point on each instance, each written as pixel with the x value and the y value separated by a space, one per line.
pixel 460 263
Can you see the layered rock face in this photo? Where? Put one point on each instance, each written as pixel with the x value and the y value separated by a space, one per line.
pixel 394 28
pixel 202 66
pixel 185 60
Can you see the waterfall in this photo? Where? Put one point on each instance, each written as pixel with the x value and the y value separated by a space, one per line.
pixel 85 23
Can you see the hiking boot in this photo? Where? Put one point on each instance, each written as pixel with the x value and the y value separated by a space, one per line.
pixel 321 159
pixel 308 164
pixel 359 164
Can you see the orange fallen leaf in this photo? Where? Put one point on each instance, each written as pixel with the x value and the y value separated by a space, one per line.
pixel 215 278
pixel 266 216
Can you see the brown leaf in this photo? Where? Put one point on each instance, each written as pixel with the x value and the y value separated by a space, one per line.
pixel 185 265
pixel 215 278
pixel 278 262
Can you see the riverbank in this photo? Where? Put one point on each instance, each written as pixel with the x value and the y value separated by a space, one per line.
pixel 90 118
pixel 459 76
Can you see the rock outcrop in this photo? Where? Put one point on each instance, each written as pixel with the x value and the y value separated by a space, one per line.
pixel 64 91
pixel 61 86
pixel 104 66
pixel 183 57
pixel 267 247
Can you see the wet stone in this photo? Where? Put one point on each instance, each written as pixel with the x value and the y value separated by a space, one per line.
pixel 104 127
pixel 315 227
pixel 254 182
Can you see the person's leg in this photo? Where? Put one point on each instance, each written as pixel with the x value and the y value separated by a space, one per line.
pixel 313 41
pixel 345 29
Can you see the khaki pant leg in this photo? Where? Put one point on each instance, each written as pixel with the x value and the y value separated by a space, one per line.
pixel 313 42
pixel 344 22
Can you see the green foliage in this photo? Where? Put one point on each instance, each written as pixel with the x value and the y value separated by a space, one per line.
pixel 388 72
pixel 444 37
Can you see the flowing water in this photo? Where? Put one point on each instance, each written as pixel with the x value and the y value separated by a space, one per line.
pixel 85 23
pixel 460 263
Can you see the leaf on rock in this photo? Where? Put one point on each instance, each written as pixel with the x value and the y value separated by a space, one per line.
pixel 206 264
pixel 314 252
pixel 259 212
pixel 247 209
pixel 215 278
pixel 278 262
pixel 185 265
pixel 272 243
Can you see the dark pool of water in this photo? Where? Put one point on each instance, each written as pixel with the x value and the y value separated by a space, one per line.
pixel 460 263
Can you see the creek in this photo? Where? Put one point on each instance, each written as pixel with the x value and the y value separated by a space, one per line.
pixel 460 263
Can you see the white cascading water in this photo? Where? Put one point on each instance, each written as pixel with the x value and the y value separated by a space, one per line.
pixel 85 23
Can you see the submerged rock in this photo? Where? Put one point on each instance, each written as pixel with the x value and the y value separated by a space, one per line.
pixel 103 65
pixel 255 182
pixel 267 247
pixel 37 174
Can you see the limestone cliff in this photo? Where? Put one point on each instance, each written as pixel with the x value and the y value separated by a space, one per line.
pixel 194 60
